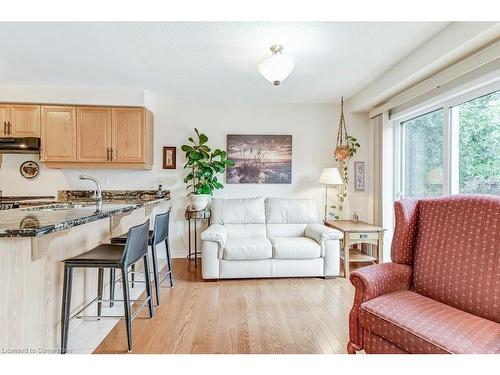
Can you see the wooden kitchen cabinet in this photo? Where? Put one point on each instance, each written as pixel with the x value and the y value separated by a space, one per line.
pixel 24 120
pixel 128 144
pixel 93 134
pixel 58 134
pixel 20 120
pixel 105 137
pixel 4 119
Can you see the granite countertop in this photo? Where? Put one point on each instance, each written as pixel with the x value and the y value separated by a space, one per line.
pixel 48 217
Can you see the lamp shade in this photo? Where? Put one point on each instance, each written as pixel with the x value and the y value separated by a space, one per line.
pixel 276 67
pixel 330 176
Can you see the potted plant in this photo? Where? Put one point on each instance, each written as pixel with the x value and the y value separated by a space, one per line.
pixel 203 165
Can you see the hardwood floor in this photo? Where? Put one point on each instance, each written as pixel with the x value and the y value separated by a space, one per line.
pixel 241 316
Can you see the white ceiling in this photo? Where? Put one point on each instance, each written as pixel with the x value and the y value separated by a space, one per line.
pixel 207 61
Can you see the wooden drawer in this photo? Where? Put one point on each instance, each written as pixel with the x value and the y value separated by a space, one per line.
pixel 363 236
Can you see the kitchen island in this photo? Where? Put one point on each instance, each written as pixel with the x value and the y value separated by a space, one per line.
pixel 33 243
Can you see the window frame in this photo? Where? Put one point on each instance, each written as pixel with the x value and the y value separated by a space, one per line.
pixel 450 137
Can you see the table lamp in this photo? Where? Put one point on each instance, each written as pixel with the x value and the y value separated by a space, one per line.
pixel 329 176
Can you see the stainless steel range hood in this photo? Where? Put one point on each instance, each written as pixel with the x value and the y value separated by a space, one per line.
pixel 19 145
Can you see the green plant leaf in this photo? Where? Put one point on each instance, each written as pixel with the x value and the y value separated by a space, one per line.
pixel 186 148
pixel 203 139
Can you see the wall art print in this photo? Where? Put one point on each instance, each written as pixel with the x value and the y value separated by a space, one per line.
pixel 259 159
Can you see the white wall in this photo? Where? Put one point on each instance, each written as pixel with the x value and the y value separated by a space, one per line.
pixel 313 127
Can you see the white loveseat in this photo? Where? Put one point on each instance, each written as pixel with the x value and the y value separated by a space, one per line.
pixel 273 237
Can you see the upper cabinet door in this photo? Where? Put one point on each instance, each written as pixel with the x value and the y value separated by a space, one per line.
pixel 128 135
pixel 24 120
pixel 58 133
pixel 4 119
pixel 93 134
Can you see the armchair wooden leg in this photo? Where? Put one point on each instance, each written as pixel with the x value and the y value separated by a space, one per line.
pixel 352 348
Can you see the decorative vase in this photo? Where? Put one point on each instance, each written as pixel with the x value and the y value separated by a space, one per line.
pixel 199 201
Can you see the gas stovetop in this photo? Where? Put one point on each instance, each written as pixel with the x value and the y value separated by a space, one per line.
pixel 8 206
pixel 8 202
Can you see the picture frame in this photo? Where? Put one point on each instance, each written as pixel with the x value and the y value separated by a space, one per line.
pixel 259 158
pixel 169 157
pixel 359 176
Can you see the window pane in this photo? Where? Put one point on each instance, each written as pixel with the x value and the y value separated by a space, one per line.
pixel 479 146
pixel 423 155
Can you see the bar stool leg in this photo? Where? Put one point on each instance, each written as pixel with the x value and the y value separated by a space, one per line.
pixel 66 307
pixel 169 263
pixel 148 285
pixel 100 286
pixel 126 307
pixel 155 273
pixel 112 282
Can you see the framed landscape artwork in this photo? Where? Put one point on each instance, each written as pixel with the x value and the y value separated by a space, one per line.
pixel 259 159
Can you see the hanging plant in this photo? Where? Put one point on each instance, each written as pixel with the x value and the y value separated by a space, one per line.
pixel 346 147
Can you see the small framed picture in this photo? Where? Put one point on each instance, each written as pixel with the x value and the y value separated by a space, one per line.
pixel 359 175
pixel 169 159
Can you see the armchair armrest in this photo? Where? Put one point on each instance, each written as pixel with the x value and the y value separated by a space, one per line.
pixel 370 282
pixel 215 233
pixel 320 232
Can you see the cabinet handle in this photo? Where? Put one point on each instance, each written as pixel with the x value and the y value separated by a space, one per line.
pixel 107 154
pixel 10 127
pixel 111 154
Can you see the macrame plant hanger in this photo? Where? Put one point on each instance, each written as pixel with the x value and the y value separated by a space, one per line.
pixel 342 151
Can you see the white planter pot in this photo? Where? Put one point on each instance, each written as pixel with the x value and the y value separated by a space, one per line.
pixel 199 201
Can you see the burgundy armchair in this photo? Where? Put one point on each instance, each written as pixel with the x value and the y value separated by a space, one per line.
pixel 441 293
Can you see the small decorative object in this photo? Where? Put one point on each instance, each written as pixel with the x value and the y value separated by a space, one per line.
pixel 359 175
pixel 355 217
pixel 169 158
pixel 277 67
pixel 203 165
pixel 329 176
pixel 29 169
pixel 259 159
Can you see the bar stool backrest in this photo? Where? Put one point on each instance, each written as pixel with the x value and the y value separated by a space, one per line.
pixel 160 230
pixel 137 244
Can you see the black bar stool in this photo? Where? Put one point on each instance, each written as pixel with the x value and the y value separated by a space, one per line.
pixel 158 235
pixel 112 257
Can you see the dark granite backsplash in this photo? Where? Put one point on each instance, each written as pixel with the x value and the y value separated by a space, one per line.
pixel 113 195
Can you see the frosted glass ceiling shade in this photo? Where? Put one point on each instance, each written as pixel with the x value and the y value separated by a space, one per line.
pixel 277 67
pixel 330 176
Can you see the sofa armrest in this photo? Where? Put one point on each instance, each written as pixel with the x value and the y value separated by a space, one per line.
pixel 215 233
pixel 320 233
pixel 370 282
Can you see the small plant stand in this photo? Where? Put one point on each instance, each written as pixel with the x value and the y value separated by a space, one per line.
pixel 194 216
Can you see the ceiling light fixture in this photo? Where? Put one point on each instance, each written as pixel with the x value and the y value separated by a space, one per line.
pixel 277 67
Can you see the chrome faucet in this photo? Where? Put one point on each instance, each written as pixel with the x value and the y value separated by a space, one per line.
pixel 98 191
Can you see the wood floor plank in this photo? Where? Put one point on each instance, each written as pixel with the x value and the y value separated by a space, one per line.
pixel 294 315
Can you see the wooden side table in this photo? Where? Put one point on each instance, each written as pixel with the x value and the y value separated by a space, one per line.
pixel 358 232
pixel 193 215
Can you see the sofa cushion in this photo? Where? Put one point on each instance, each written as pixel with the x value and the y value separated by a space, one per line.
pixel 419 324
pixel 291 211
pixel 457 253
pixel 286 230
pixel 247 248
pixel 245 230
pixel 295 248
pixel 238 211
